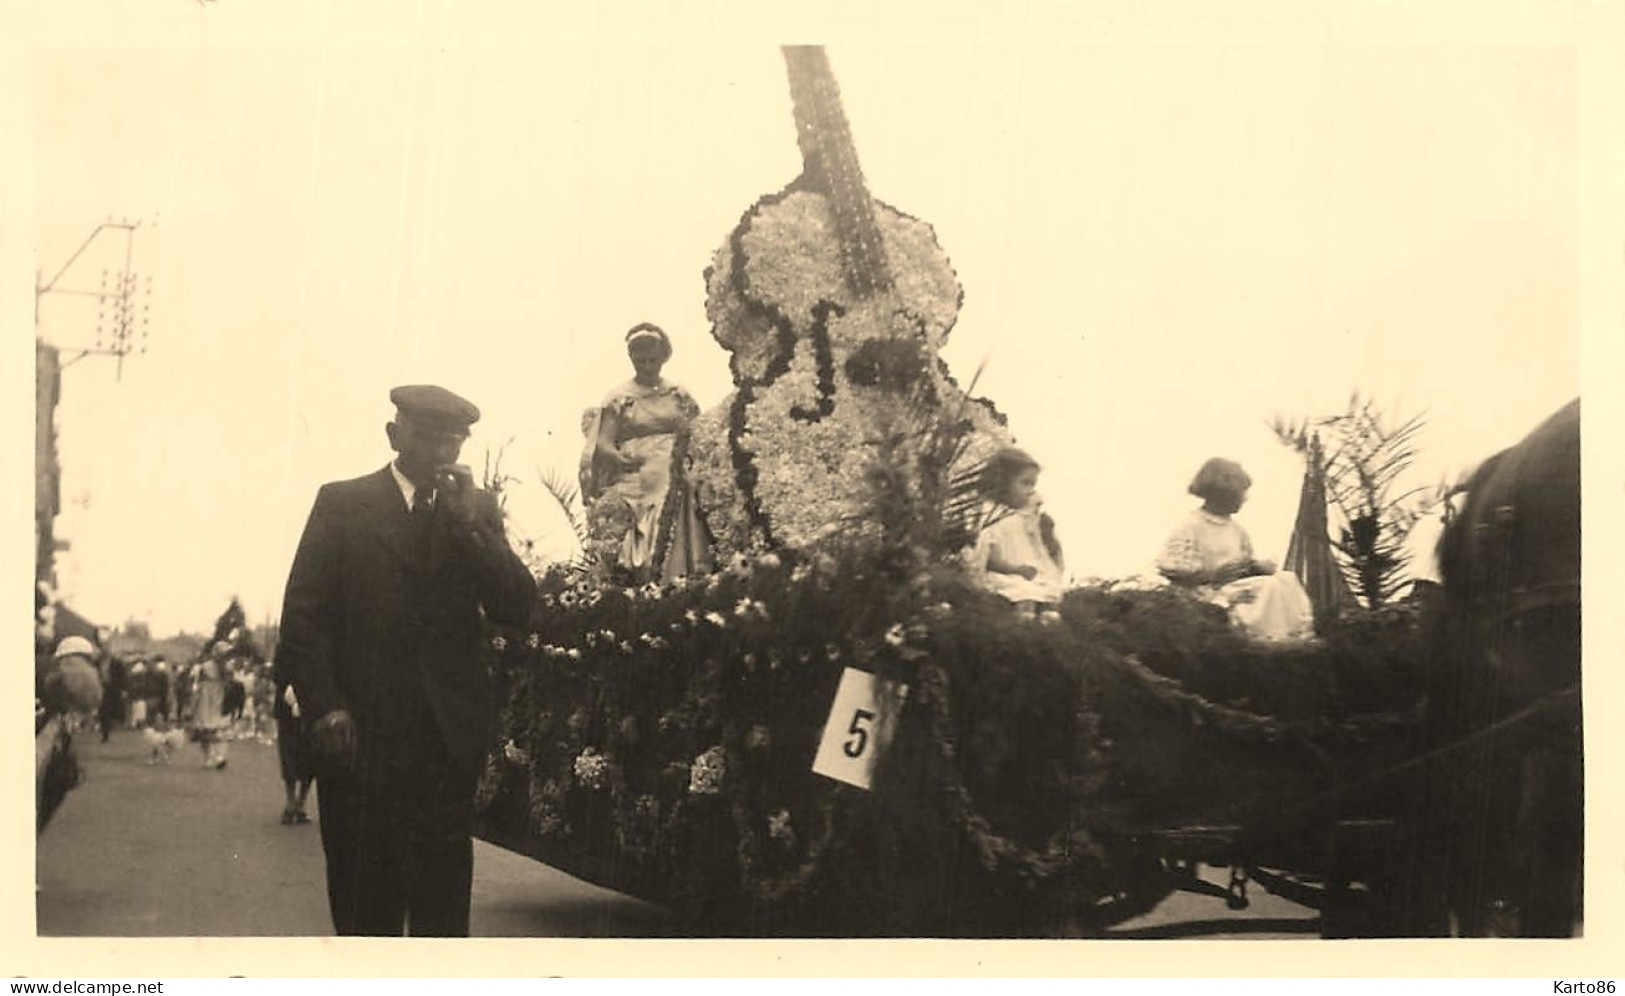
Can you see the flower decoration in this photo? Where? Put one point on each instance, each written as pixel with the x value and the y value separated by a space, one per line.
pixel 896 635
pixel 779 828
pixel 499 644
pixel 745 608
pixel 705 775
pixel 515 755
pixel 569 599
pixel 716 619
pixel 592 769
pixel 534 641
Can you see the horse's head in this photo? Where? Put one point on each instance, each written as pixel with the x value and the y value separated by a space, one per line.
pixel 1510 563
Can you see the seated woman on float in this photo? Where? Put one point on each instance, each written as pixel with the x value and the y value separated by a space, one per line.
pixel 1213 556
pixel 1017 555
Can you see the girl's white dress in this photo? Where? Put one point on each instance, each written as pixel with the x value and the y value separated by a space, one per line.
pixel 1269 607
pixel 1015 537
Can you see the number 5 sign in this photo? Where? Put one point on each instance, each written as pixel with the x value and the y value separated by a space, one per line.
pixel 860 725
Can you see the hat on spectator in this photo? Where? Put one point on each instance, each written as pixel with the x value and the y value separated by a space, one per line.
pixel 75 645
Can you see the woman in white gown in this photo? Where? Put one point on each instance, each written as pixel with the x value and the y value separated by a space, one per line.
pixel 1213 555
pixel 641 508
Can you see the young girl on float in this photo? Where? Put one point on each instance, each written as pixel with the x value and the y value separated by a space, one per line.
pixel 1212 555
pixel 1016 555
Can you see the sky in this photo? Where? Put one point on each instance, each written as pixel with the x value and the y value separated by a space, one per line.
pixel 1165 240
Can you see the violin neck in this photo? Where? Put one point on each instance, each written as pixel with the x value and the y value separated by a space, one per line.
pixel 830 166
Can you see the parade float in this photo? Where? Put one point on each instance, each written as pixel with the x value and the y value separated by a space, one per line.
pixel 837 734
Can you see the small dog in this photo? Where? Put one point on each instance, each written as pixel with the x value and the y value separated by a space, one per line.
pixel 163 743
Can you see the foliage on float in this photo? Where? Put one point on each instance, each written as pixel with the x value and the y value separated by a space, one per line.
pixel 660 739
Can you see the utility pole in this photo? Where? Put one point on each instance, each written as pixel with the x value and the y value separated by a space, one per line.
pixel 120 328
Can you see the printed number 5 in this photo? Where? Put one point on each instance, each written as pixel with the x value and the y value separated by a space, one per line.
pixel 860 741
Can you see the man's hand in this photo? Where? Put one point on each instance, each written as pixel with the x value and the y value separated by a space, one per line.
pixel 334 737
pixel 467 504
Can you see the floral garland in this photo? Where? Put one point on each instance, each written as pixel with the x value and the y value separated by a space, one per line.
pixel 1245 725
pixel 677 493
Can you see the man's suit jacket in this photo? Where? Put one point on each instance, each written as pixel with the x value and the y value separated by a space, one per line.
pixel 382 616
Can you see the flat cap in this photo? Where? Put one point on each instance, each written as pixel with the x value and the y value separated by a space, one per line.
pixel 434 406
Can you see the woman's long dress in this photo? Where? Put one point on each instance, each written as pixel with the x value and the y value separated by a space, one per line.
pixel 208 703
pixel 1268 607
pixel 646 517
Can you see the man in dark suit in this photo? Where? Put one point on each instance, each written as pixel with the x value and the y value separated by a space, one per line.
pixel 380 638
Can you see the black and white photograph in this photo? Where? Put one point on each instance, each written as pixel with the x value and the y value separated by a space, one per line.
pixel 1054 471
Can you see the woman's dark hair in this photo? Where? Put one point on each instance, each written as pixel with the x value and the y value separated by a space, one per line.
pixel 1001 468
pixel 1220 476
pixel 649 329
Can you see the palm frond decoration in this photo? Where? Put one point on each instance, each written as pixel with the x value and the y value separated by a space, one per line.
pixel 567 494
pixel 1364 459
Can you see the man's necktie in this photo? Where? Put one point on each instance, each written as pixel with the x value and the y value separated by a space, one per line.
pixel 422 516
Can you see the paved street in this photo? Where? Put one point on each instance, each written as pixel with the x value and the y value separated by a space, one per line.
pixel 180 850
pixel 177 850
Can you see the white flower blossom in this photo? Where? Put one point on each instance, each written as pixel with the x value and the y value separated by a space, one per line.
pixel 705 775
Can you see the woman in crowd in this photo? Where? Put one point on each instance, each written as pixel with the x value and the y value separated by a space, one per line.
pixel 641 509
pixel 208 707
pixel 1212 555
pixel 67 692
pixel 293 752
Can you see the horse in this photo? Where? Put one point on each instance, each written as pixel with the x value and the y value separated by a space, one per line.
pixel 1501 836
